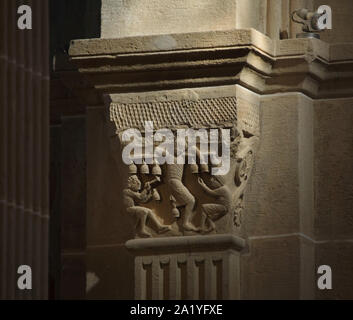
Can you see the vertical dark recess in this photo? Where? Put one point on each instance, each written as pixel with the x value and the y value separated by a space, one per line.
pixel 69 20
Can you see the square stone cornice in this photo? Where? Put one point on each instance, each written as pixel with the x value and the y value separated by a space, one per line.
pixel 245 57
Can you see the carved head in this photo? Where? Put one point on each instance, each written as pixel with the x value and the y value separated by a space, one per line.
pixel 134 183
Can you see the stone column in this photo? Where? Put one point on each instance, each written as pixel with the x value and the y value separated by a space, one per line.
pixel 3 138
pixel 209 104
pixel 24 150
pixel 195 268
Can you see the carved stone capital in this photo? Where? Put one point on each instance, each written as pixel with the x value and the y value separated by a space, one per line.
pixel 144 78
pixel 190 197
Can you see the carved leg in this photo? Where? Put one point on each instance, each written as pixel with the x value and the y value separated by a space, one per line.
pixel 207 225
pixel 141 214
pixel 212 226
pixel 142 227
pixel 183 197
pixel 161 228
pixel 210 213
pixel 188 216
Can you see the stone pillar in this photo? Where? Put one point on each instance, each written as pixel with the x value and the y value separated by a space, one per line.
pixel 194 268
pixel 24 150
pixel 4 33
pixel 225 107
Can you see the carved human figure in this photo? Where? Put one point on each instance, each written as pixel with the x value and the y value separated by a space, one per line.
pixel 131 195
pixel 212 212
pixel 181 195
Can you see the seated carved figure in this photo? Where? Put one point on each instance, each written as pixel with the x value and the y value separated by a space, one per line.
pixel 131 195
pixel 214 211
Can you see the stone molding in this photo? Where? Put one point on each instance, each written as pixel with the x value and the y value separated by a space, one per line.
pixel 185 244
pixel 195 267
pixel 245 57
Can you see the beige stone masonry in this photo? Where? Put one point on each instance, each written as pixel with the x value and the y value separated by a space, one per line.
pixel 289 205
pixel 195 268
pixel 244 57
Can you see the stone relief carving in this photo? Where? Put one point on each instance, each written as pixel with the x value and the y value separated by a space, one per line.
pixel 194 201
pixel 214 211
pixel 182 196
pixel 131 195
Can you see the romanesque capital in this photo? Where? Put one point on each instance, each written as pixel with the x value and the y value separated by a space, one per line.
pixel 189 154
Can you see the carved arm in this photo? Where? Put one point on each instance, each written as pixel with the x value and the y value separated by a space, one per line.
pixel 212 193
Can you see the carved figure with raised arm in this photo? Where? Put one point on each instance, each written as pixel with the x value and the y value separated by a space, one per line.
pixel 133 195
